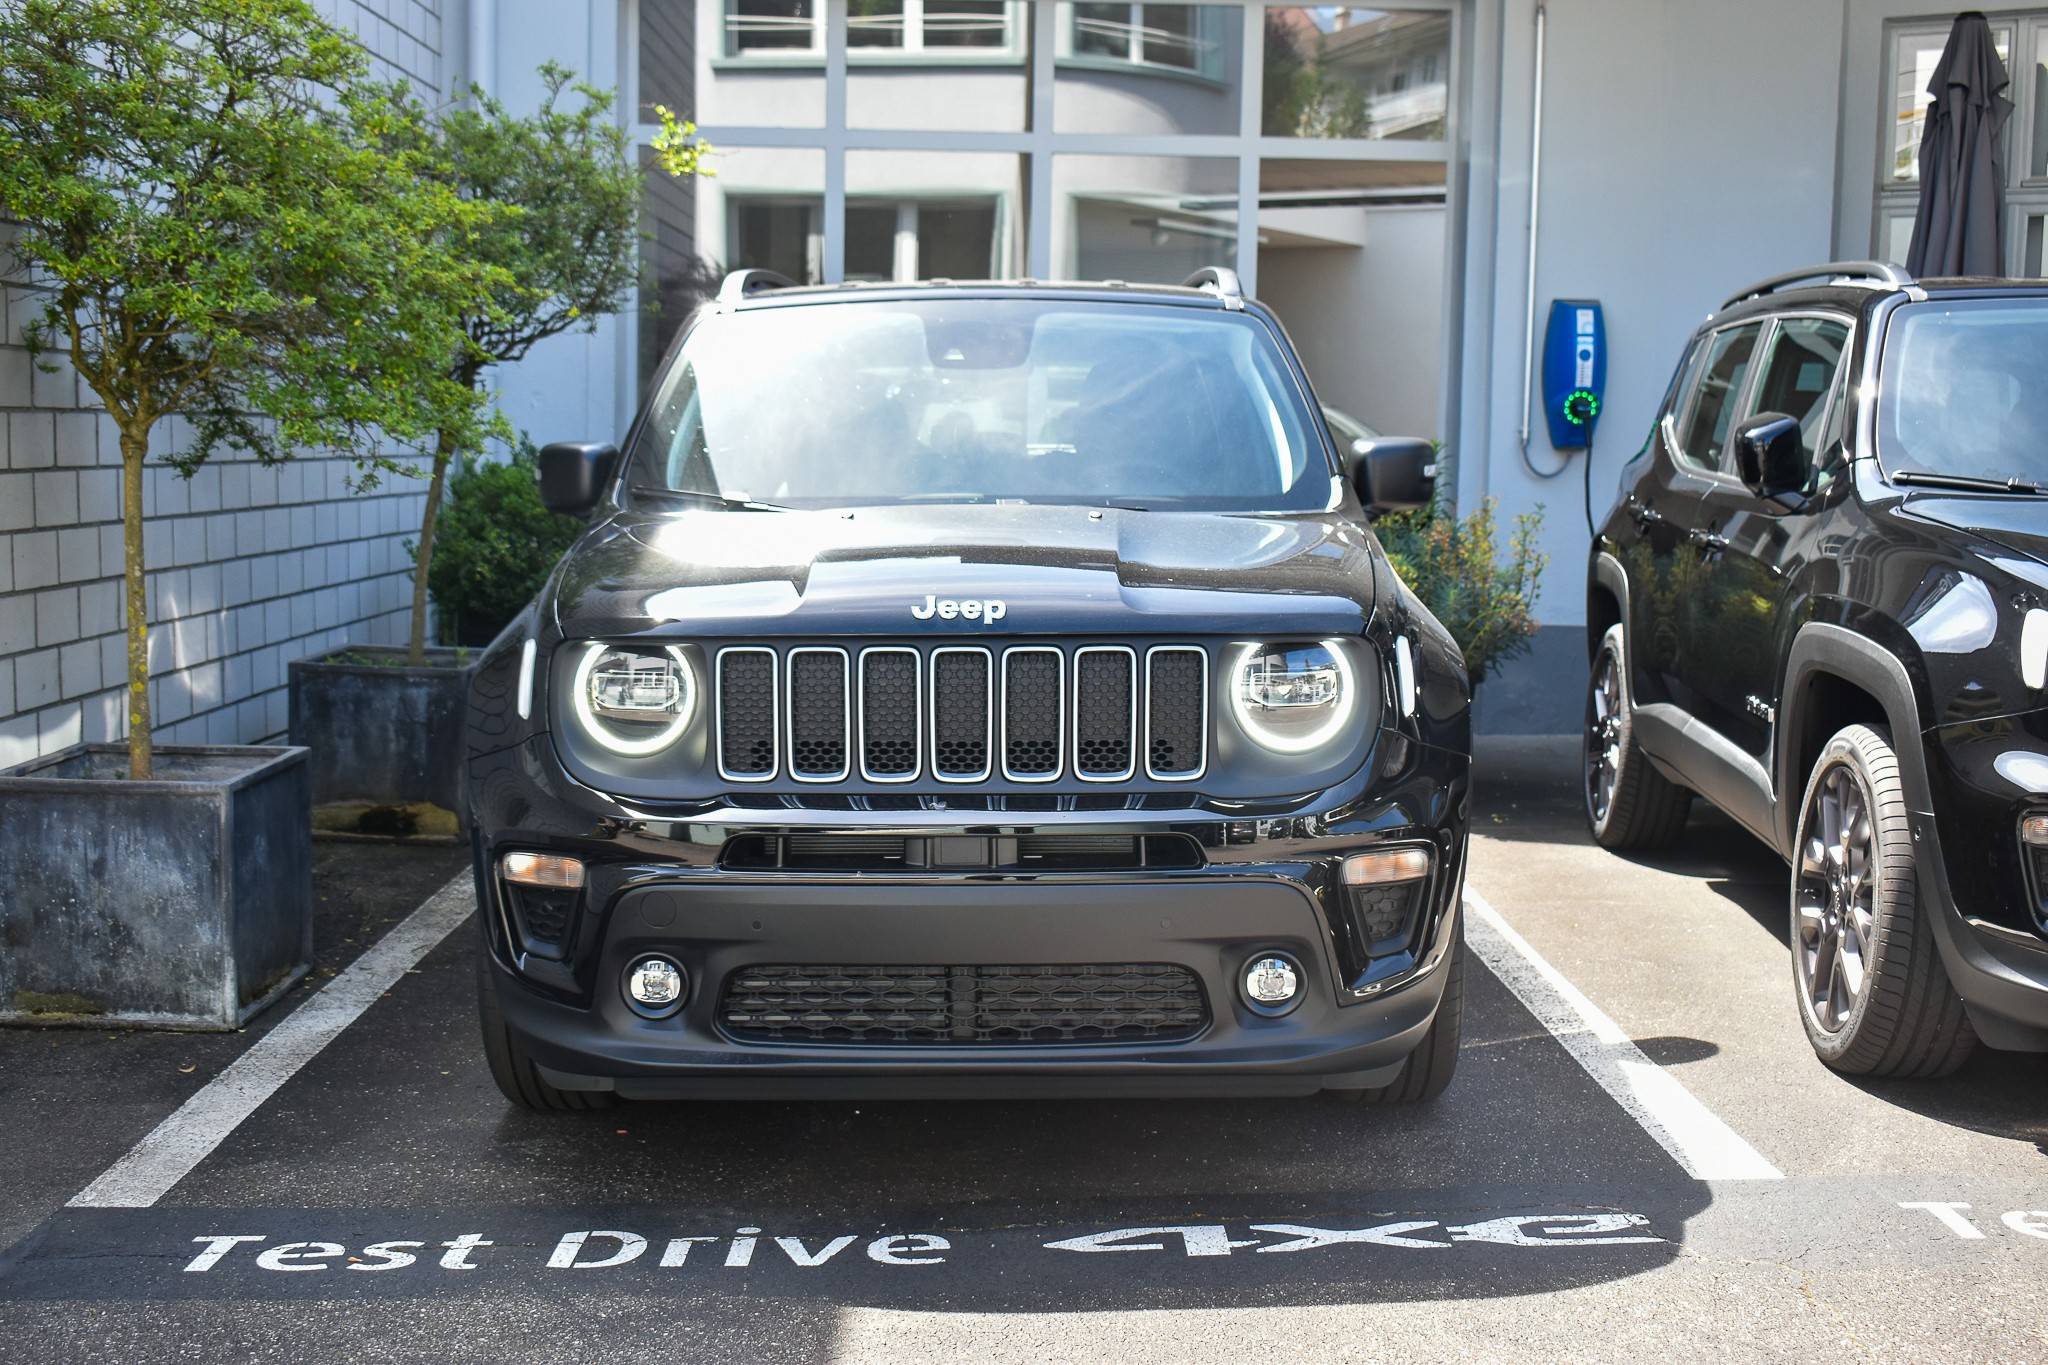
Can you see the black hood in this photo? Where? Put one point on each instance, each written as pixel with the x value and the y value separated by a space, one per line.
pixel 2017 523
pixel 1057 570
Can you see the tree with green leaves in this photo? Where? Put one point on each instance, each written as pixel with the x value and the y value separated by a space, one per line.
pixel 206 199
pixel 564 242
pixel 1302 97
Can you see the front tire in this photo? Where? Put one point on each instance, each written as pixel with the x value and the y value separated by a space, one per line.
pixel 1430 1067
pixel 1872 991
pixel 1629 804
pixel 513 1070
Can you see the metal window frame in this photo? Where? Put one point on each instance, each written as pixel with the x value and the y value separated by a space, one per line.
pixel 988 715
pixel 917 718
pixel 845 714
pixel 1059 747
pixel 774 712
pixel 1130 769
pixel 1010 52
pixel 1039 142
pixel 1202 722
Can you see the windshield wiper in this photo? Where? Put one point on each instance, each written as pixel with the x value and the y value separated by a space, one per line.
pixel 709 499
pixel 1967 483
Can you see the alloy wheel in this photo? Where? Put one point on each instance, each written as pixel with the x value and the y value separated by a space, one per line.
pixel 1603 735
pixel 1834 897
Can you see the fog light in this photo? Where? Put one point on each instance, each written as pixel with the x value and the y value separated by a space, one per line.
pixel 1272 985
pixel 543 869
pixel 1386 865
pixel 2034 830
pixel 655 985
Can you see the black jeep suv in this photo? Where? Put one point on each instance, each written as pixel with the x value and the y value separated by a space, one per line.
pixel 972 689
pixel 1822 603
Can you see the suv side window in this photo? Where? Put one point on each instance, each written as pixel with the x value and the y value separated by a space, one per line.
pixel 1723 377
pixel 1799 374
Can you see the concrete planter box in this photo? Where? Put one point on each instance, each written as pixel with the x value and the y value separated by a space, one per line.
pixel 182 902
pixel 382 735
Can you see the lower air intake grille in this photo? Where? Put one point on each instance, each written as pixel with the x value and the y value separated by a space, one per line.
pixel 966 1006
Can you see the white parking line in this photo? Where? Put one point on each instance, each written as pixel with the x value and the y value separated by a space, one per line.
pixel 170 1151
pixel 1695 1136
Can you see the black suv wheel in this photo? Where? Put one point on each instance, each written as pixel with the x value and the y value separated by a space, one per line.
pixel 1629 804
pixel 513 1070
pixel 1430 1067
pixel 1872 992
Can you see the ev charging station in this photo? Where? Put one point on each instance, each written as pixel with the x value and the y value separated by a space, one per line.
pixel 1574 371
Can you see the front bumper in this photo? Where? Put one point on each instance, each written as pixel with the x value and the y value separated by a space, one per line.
pixel 1266 880
pixel 1981 778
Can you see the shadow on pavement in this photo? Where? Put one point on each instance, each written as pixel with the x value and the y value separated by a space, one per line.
pixel 1524 1178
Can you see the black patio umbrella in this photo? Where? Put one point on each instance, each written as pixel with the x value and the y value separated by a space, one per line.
pixel 1959 227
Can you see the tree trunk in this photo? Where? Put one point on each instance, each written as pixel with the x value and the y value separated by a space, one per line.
pixel 423 558
pixel 134 447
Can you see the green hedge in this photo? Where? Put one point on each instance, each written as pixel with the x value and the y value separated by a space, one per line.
pixel 495 547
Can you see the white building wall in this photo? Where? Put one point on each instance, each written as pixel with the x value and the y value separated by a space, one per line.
pixel 1688 149
pixel 1369 320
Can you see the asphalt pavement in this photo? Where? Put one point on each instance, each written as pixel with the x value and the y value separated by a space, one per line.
pixel 384 1202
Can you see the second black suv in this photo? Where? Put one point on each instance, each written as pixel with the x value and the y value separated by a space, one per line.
pixel 1821 602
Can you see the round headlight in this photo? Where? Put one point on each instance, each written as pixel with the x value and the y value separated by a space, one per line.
pixel 634 700
pixel 1293 698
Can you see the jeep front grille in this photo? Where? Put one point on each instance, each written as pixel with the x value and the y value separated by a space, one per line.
pixel 959 714
pixel 977 1005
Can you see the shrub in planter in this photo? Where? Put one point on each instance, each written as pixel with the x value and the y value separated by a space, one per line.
pixel 1486 602
pixel 498 544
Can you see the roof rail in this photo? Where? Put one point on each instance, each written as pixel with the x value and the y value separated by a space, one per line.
pixel 1861 272
pixel 1222 281
pixel 741 285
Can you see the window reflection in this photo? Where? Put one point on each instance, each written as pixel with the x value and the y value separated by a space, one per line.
pixel 1336 71
pixel 1914 57
pixel 773 26
pixel 1182 37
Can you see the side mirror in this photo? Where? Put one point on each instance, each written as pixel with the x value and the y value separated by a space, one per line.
pixel 573 474
pixel 1393 473
pixel 1770 455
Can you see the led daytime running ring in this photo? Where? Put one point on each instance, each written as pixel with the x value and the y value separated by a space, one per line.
pixel 603 731
pixel 1341 713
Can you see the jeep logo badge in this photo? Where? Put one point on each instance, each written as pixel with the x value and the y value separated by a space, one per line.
pixel 972 609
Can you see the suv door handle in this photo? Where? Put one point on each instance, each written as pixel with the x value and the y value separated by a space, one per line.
pixel 1710 540
pixel 1645 515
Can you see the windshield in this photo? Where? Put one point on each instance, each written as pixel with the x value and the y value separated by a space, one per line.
pixel 984 400
pixel 1965 390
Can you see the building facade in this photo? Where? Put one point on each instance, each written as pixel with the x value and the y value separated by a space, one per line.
pixel 1366 171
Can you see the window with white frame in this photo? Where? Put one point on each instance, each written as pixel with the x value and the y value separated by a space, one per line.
pixel 957 237
pixel 1912 50
pixel 1174 37
pixel 876 30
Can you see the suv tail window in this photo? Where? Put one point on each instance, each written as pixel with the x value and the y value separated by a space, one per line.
pixel 1722 380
